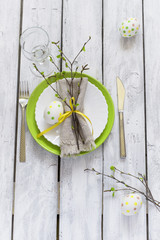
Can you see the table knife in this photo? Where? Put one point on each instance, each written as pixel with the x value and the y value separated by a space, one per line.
pixel 121 95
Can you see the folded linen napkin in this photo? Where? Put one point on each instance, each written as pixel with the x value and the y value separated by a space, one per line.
pixel 68 143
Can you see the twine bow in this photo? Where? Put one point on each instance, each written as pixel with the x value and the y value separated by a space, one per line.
pixel 63 117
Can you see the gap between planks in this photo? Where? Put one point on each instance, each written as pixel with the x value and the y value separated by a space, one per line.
pixel 59 159
pixel 102 32
pixel 16 126
pixel 145 119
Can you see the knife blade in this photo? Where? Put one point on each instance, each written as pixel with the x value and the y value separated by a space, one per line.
pixel 121 96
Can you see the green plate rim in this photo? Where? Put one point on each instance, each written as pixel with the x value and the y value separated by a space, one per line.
pixel 30 113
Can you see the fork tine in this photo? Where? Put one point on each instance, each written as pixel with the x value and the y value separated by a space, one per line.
pixel 27 90
pixel 24 88
pixel 23 92
pixel 20 89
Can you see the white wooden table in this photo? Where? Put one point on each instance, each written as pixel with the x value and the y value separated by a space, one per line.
pixel 86 212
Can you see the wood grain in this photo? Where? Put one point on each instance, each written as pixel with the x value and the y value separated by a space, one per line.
pixel 124 58
pixel 36 179
pixel 82 200
pixel 81 192
pixel 152 70
pixel 9 43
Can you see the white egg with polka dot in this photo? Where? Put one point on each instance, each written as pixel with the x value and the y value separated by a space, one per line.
pixel 131 204
pixel 129 27
pixel 53 111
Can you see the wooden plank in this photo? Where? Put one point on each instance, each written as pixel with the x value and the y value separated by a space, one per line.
pixel 9 43
pixel 36 179
pixel 81 193
pixel 124 57
pixel 152 62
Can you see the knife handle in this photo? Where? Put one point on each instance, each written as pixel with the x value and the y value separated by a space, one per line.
pixel 122 136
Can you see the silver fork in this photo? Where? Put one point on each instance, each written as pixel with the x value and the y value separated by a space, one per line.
pixel 23 100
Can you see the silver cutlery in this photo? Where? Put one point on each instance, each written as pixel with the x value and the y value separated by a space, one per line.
pixel 121 95
pixel 23 100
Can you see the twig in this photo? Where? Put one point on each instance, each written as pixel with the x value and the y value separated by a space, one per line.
pixel 78 129
pixel 143 181
pixel 56 43
pixel 149 191
pixel 116 190
pixel 82 49
pixel 85 67
pixel 51 59
pixel 42 74
pixel 69 64
pixel 128 187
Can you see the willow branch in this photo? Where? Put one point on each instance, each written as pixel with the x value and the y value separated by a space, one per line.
pixel 42 74
pixel 128 187
pixel 82 49
pixel 56 43
pixel 51 59
pixel 143 181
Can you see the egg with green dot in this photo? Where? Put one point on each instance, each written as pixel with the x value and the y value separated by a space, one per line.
pixel 131 204
pixel 53 111
pixel 129 27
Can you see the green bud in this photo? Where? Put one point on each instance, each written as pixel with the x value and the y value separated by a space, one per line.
pixel 112 168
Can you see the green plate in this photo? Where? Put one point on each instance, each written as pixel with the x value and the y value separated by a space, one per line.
pixel 30 113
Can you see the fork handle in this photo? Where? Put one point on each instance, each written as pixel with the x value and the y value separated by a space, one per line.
pixel 122 136
pixel 22 144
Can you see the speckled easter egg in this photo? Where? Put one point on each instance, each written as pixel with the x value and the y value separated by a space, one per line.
pixel 129 27
pixel 131 204
pixel 53 111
